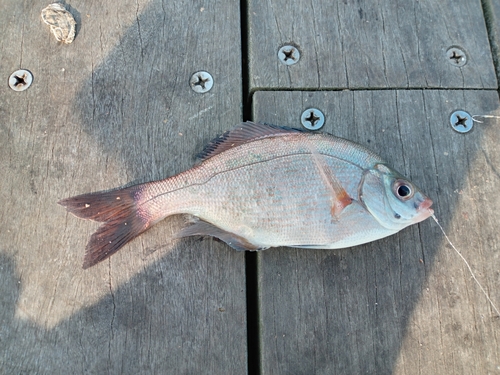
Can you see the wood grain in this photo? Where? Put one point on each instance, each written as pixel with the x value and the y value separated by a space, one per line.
pixel 368 44
pixel 114 107
pixel 491 10
pixel 405 304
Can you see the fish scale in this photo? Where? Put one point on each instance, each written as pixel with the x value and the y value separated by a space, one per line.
pixel 261 186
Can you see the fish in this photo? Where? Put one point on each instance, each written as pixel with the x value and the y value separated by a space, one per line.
pixel 259 186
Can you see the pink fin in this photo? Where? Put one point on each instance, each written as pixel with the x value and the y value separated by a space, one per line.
pixel 203 228
pixel 100 206
pixel 339 196
pixel 122 223
pixel 342 200
pixel 241 134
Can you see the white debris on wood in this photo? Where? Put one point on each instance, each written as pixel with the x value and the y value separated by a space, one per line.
pixel 61 22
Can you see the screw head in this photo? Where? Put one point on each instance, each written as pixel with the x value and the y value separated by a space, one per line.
pixel 312 119
pixel 201 82
pixel 289 55
pixel 20 80
pixel 461 121
pixel 456 56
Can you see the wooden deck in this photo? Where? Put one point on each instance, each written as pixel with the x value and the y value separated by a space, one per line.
pixel 115 107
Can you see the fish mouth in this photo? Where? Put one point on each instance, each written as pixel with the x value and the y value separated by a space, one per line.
pixel 424 210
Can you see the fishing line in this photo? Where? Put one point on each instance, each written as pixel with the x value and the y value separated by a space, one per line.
pixel 467 264
pixel 483 116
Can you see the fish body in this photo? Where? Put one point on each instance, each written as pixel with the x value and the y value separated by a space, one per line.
pixel 261 186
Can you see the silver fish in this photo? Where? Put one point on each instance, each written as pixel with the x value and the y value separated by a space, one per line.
pixel 260 186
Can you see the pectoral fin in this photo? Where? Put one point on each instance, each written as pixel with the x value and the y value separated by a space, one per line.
pixel 340 198
pixel 203 228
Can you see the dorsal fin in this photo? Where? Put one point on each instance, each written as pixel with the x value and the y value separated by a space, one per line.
pixel 243 133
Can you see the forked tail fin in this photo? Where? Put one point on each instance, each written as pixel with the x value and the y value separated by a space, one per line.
pixel 122 217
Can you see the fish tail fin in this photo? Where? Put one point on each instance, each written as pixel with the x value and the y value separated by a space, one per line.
pixel 122 215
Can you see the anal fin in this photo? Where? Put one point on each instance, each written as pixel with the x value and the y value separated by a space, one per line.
pixel 203 228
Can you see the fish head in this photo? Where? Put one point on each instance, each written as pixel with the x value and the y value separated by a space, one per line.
pixel 393 200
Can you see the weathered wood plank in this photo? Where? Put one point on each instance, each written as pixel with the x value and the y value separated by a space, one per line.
pixel 492 18
pixel 369 44
pixel 114 106
pixel 406 304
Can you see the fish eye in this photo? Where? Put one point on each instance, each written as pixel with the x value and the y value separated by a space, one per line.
pixel 403 189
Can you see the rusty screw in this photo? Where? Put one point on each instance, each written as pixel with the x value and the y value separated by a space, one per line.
pixel 461 121
pixel 289 55
pixel 201 82
pixel 312 119
pixel 456 56
pixel 20 80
